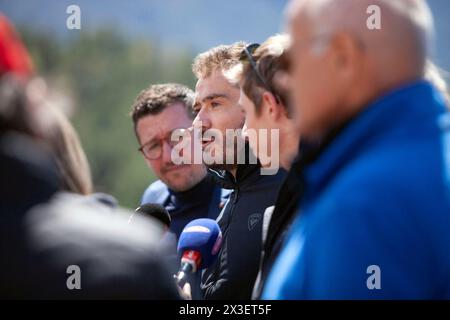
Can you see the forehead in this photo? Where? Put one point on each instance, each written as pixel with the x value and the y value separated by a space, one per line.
pixel 298 16
pixel 216 83
pixel 299 27
pixel 172 117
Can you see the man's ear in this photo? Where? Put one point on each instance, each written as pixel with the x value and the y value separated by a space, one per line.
pixel 272 106
pixel 346 54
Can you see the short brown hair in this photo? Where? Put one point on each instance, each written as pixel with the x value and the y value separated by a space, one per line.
pixel 157 97
pixel 268 58
pixel 222 57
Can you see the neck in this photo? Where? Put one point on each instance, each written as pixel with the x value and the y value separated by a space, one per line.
pixel 289 141
pixel 233 171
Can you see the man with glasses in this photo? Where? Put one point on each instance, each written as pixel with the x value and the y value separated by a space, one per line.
pixel 217 109
pixel 182 189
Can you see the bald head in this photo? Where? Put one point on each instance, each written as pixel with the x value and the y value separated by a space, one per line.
pixel 399 48
pixel 367 61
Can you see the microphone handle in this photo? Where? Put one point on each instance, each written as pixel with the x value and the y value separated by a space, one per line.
pixel 182 275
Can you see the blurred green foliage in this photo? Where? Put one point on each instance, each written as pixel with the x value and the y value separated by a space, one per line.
pixel 103 72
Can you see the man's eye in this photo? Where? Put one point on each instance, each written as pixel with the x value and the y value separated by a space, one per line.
pixel 215 104
pixel 196 109
pixel 152 146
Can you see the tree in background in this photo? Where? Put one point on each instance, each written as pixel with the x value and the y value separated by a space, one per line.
pixel 102 72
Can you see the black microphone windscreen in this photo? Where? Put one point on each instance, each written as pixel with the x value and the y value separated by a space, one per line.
pixel 156 211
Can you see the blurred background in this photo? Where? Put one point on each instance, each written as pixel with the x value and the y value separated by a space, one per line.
pixel 124 46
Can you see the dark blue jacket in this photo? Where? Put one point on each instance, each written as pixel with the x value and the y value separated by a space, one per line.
pixel 205 200
pixel 42 234
pixel 376 208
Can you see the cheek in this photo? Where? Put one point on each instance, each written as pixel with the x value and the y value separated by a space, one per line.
pixel 250 120
pixel 311 81
pixel 155 165
pixel 239 123
pixel 222 121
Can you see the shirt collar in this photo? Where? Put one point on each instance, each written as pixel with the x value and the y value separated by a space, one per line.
pixel 378 119
pixel 196 194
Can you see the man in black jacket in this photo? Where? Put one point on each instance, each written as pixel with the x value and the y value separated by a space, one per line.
pixel 266 106
pixel 217 107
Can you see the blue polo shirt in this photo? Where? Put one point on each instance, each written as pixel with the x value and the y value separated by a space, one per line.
pixel 374 221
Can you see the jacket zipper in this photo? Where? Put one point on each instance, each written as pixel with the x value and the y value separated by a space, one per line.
pixel 236 195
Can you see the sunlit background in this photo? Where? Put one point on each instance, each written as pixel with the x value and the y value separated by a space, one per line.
pixel 123 46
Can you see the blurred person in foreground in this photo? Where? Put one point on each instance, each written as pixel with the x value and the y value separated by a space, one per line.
pixel 218 111
pixel 373 219
pixel 436 76
pixel 62 141
pixel 266 107
pixel 44 233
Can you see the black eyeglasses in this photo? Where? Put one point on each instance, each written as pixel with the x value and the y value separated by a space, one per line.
pixel 152 149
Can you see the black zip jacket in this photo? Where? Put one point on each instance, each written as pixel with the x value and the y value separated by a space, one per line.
pixel 283 215
pixel 280 221
pixel 233 274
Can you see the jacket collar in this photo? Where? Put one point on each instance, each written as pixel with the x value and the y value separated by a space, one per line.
pixel 246 173
pixel 412 103
pixel 195 195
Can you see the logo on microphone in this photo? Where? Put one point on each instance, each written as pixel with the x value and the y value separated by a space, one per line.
pixel 253 220
pixel 197 229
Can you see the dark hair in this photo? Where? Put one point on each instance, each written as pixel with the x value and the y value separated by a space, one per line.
pixel 157 97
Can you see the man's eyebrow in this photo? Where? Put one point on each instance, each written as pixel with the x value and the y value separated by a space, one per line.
pixel 210 97
pixel 215 96
pixel 151 140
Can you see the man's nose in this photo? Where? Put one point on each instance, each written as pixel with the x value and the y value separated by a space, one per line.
pixel 202 120
pixel 166 153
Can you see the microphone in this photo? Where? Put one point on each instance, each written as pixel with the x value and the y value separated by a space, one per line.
pixel 198 246
pixel 155 211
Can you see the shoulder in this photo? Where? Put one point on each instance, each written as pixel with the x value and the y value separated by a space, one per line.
pixel 69 224
pixel 411 173
pixel 156 192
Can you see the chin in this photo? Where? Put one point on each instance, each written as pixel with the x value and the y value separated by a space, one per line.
pixel 180 181
pixel 180 186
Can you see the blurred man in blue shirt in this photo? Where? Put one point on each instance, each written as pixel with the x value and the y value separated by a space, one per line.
pixel 374 220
